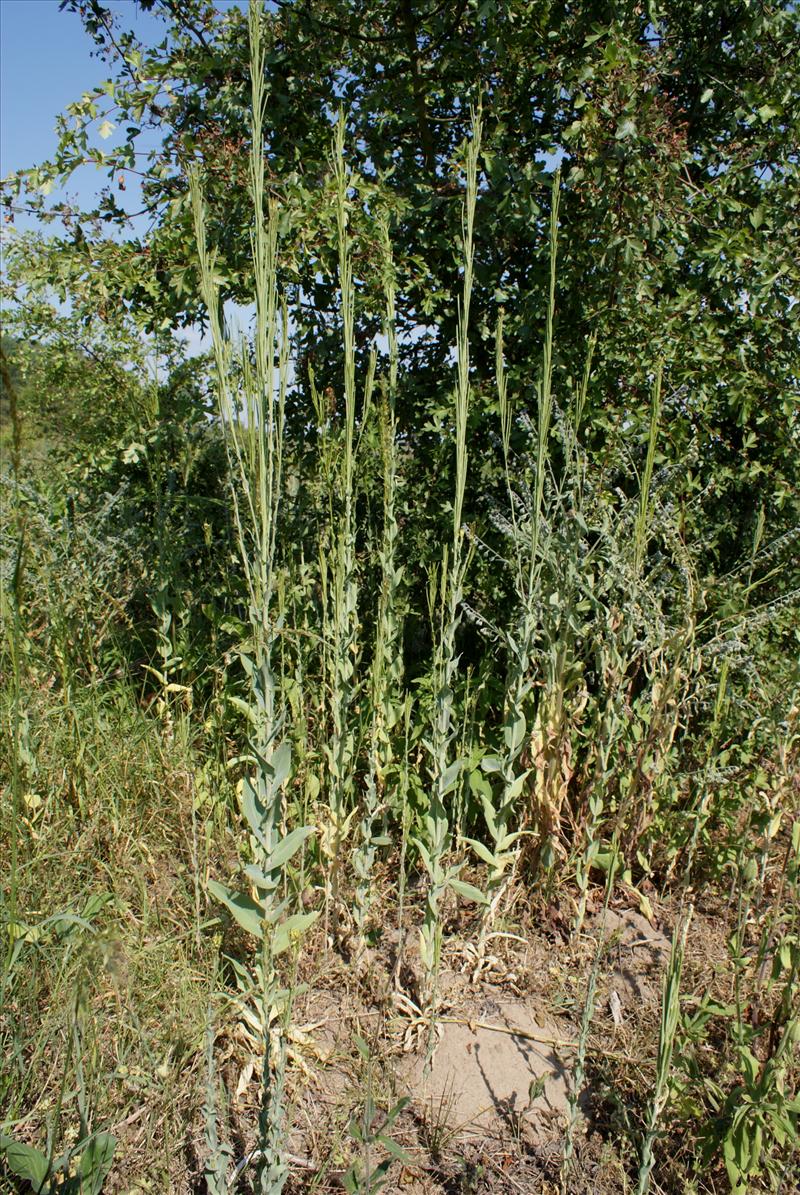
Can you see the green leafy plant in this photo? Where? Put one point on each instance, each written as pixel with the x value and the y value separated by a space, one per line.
pixel 748 1112
pixel 371 1134
pixel 91 1160
pixel 670 1016
pixel 434 842
pixel 386 675
pixel 512 766
pixel 254 424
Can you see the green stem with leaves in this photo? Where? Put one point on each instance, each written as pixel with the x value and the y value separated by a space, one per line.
pixel 387 663
pixel 434 843
pixel 253 418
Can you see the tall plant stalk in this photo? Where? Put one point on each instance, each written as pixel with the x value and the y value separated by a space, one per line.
pixel 503 818
pixel 387 662
pixel 670 1013
pixel 434 843
pixel 252 412
pixel 341 597
pixel 641 530
pixel 13 617
pixel 578 1073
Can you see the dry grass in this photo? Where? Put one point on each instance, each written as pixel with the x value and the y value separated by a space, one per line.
pixel 130 996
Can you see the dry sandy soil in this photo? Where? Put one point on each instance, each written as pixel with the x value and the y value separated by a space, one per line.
pixel 487 1112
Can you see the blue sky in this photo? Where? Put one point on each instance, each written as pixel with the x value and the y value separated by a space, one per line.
pixel 45 63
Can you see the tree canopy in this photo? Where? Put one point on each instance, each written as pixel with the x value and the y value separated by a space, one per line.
pixel 677 133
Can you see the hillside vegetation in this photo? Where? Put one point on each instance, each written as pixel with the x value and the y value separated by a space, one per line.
pixel 401 702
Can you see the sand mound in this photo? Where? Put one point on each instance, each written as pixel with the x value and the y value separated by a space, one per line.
pixel 481 1075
